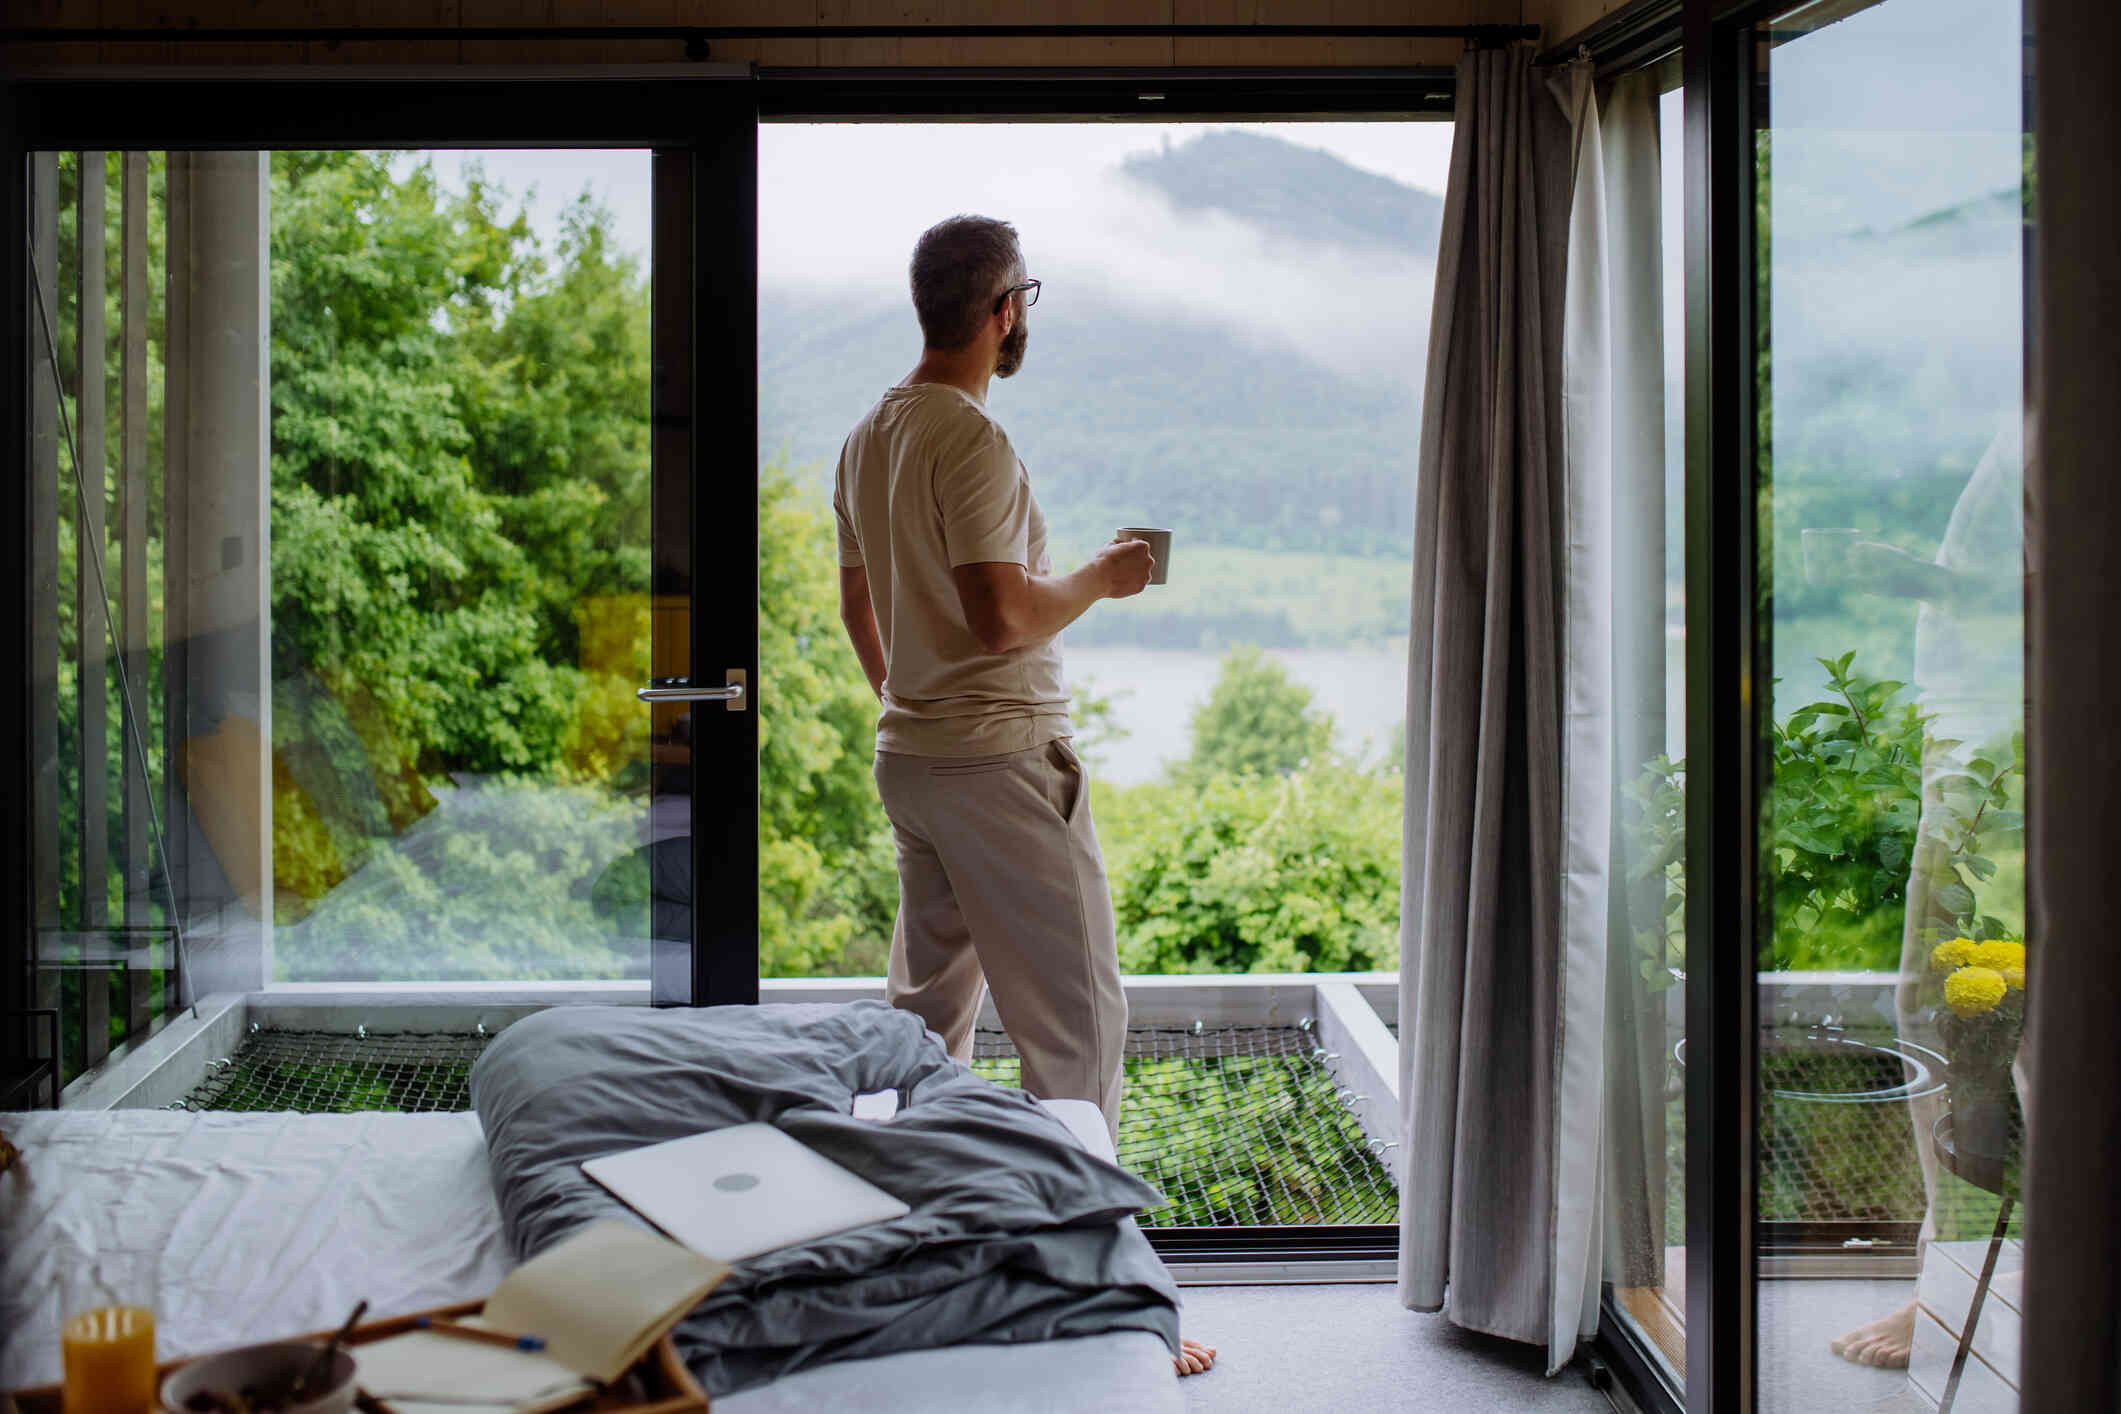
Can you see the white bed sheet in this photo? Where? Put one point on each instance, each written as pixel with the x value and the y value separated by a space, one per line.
pixel 263 1225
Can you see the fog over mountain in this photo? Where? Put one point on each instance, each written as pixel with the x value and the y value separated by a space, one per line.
pixel 1233 343
pixel 1895 352
pixel 1293 191
pixel 1233 331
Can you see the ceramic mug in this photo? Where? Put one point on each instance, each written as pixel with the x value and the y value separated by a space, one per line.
pixel 1159 547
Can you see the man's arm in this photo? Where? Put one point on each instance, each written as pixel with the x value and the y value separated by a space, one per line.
pixel 1007 606
pixel 859 616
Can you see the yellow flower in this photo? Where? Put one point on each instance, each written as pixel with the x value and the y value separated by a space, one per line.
pixel 2014 978
pixel 1973 991
pixel 1955 952
pixel 2001 954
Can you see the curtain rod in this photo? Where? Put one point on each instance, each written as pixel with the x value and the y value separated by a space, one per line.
pixel 697 38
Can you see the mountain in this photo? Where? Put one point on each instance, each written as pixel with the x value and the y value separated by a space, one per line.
pixel 1129 411
pixel 1293 191
pixel 1126 419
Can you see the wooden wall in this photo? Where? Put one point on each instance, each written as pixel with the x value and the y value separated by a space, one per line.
pixel 803 52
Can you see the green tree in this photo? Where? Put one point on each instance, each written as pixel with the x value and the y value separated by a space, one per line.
pixel 421 550
pixel 1257 720
pixel 828 878
pixel 460 489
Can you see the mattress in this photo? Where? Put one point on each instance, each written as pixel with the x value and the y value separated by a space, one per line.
pixel 262 1225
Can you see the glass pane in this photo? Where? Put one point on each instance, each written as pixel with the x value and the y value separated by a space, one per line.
pixel 103 953
pixel 1229 343
pixel 1646 1003
pixel 389 519
pixel 1892 234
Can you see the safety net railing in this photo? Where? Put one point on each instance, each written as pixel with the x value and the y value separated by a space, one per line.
pixel 1239 1126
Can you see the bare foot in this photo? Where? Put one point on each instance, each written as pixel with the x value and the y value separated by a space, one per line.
pixel 1193 1358
pixel 1884 1343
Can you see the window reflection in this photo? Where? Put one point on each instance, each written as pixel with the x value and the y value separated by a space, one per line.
pixel 1893 440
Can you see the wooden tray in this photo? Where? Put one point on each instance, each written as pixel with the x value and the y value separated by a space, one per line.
pixel 659 1384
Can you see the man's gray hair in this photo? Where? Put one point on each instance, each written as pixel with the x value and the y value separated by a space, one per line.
pixel 960 266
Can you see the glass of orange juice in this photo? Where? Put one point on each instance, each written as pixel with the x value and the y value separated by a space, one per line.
pixel 107 1334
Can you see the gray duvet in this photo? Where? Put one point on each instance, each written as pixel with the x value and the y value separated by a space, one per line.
pixel 1016 1233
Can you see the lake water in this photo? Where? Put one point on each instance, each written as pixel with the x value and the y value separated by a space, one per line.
pixel 1154 692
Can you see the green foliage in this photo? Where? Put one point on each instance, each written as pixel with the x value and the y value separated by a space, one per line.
pixel 501 883
pixel 1846 801
pixel 1845 807
pixel 1238 873
pixel 828 875
pixel 1257 721
pixel 460 451
pixel 460 502
pixel 1095 717
pixel 461 521
pixel 1263 851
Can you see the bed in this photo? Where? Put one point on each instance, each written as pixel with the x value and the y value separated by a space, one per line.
pixel 267 1224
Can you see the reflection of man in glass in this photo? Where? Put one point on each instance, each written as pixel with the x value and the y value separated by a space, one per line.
pixel 1969 680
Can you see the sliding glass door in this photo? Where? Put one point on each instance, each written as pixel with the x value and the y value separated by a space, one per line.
pixel 365 500
pixel 1891 227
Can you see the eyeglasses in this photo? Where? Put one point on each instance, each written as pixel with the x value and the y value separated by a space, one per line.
pixel 1030 297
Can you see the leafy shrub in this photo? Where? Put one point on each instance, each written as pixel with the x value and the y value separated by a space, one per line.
pixel 1844 809
pixel 1250 873
pixel 1846 800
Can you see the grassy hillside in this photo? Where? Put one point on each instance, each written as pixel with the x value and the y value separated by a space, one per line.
pixel 1220 596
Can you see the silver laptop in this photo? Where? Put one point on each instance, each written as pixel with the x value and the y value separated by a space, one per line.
pixel 734 1193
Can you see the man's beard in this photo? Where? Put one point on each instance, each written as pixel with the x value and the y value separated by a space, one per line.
pixel 1011 355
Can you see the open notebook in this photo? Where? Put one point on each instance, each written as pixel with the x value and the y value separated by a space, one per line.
pixel 599 1300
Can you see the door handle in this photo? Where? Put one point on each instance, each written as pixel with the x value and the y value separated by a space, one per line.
pixel 732 694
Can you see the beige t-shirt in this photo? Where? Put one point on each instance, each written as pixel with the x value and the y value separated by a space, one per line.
pixel 928 481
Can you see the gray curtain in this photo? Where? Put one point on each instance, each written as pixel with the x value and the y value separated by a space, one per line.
pixel 2072 1343
pixel 1480 931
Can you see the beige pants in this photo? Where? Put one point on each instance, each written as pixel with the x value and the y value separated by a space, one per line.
pixel 1001 884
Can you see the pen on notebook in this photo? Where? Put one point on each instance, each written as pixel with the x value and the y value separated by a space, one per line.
pixel 501 1338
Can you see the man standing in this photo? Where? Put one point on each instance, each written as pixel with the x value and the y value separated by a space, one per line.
pixel 952 605
pixel 949 598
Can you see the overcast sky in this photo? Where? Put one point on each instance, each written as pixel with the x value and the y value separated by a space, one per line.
pixel 840 206
pixel 815 178
pixel 1889 115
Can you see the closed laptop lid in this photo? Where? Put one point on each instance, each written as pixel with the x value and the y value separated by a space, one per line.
pixel 734 1193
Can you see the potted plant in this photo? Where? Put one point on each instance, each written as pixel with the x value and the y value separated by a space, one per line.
pixel 1980 1015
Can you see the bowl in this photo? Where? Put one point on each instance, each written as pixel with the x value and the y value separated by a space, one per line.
pixel 272 1365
